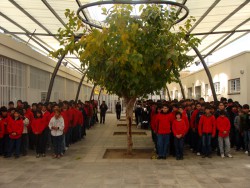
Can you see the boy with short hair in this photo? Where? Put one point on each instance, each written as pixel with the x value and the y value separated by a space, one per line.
pixel 245 127
pixel 223 126
pixel 207 130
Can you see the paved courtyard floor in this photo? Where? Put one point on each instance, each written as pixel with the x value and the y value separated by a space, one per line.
pixel 83 166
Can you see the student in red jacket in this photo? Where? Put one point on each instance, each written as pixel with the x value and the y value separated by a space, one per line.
pixel 153 126
pixel 163 132
pixel 223 126
pixel 15 129
pixel 5 119
pixel 1 135
pixel 179 128
pixel 207 130
pixel 38 126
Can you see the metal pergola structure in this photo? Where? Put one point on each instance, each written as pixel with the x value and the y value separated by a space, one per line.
pixel 219 22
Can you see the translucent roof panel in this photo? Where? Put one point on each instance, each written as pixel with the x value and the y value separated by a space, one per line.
pixel 45 17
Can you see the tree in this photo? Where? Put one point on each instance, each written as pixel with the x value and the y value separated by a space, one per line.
pixel 133 56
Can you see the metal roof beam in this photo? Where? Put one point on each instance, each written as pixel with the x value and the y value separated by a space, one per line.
pixel 204 15
pixel 225 39
pixel 227 17
pixel 54 12
pixel 22 28
pixel 84 14
pixel 221 32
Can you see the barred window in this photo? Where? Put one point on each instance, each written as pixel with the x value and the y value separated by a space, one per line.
pixel 217 87
pixel 234 86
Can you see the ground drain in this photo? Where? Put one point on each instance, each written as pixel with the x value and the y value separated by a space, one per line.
pixel 124 125
pixel 133 133
pixel 122 154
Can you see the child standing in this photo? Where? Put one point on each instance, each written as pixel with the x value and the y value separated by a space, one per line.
pixel 1 135
pixel 15 129
pixel 238 137
pixel 223 126
pixel 245 127
pixel 24 139
pixel 179 128
pixel 56 126
pixel 163 132
pixel 207 130
pixel 37 127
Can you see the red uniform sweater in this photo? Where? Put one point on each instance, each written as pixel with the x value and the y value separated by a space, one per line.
pixel 207 125
pixel 71 112
pixel 65 116
pixel 223 124
pixel 179 127
pixel 79 117
pixel 2 129
pixel 38 125
pixel 46 118
pixel 163 123
pixel 15 126
pixel 193 117
pixel 5 121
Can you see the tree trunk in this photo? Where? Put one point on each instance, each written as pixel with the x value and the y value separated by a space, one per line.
pixel 129 116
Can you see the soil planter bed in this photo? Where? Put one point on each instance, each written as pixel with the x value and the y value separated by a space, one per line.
pixel 133 133
pixel 122 154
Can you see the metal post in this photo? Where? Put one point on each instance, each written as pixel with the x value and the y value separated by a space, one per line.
pixel 79 87
pixel 207 72
pixel 53 78
pixel 169 97
pixel 92 92
pixel 182 89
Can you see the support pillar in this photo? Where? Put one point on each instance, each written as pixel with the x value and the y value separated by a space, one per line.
pixel 208 73
pixel 182 89
pixel 53 77
pixel 79 87
pixel 169 97
pixel 92 92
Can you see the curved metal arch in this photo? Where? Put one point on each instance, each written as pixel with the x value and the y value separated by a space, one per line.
pixel 129 2
pixel 79 87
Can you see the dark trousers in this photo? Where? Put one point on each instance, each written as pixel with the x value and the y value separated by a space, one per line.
pixel 75 134
pixel 1 146
pixel 14 143
pixel 179 142
pixel 238 140
pixel 154 138
pixel 206 144
pixel 57 142
pixel 24 143
pixel 102 117
pixel 6 141
pixel 118 114
pixel 232 136
pixel 40 145
pixel 31 140
pixel 163 142
pixel 67 142
pixel 196 141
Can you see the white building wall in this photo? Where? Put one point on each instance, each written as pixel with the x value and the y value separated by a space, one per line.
pixel 230 68
pixel 25 74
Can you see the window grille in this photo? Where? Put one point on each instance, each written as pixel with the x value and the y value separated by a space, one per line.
pixel 234 86
pixel 12 81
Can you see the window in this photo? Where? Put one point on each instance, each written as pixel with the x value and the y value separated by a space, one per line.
pixel 234 86
pixel 206 89
pixel 217 87
pixel 190 92
pixel 176 94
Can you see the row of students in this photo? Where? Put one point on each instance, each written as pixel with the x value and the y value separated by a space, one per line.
pixel 41 126
pixel 209 126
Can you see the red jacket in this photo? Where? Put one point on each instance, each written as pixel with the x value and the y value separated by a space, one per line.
pixel 179 127
pixel 223 124
pixel 30 116
pixel 207 125
pixel 163 123
pixel 185 118
pixel 154 122
pixel 71 112
pixel 79 118
pixel 38 125
pixel 46 118
pixel 193 117
pixel 2 129
pixel 65 116
pixel 5 121
pixel 15 126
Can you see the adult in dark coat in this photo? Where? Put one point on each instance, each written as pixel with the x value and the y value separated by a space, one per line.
pixel 103 110
pixel 118 109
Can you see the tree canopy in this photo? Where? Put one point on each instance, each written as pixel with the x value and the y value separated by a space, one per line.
pixel 134 55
